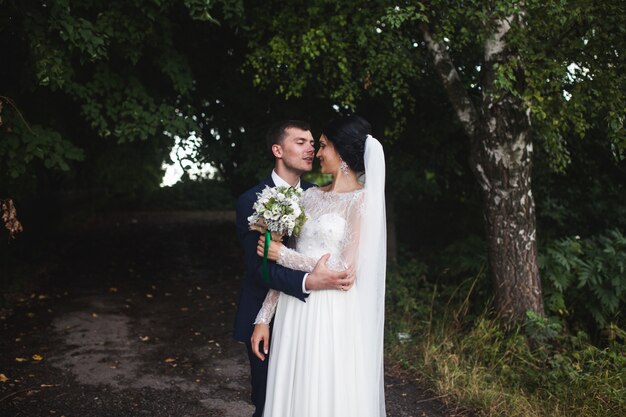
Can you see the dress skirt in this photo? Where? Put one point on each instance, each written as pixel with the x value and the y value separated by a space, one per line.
pixel 314 365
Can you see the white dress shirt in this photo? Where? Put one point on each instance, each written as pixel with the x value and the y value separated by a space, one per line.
pixel 279 182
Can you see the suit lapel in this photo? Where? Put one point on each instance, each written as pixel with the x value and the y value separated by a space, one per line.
pixel 268 181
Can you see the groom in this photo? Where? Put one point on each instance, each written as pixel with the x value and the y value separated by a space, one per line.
pixel 292 146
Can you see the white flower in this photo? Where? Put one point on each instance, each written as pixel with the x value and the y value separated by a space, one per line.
pixel 280 208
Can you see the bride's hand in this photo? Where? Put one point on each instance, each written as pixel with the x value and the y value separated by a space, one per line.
pixel 274 250
pixel 260 335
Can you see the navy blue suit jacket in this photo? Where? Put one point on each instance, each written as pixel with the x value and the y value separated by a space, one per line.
pixel 253 287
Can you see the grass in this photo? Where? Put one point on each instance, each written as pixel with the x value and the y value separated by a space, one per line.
pixel 533 370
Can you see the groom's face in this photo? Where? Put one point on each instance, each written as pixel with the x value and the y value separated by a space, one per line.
pixel 296 150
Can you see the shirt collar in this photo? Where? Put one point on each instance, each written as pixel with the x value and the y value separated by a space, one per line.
pixel 279 182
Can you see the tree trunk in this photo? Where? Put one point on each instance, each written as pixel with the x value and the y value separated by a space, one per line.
pixel 501 159
pixel 502 162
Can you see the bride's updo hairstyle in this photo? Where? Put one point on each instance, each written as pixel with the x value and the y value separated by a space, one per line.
pixel 348 135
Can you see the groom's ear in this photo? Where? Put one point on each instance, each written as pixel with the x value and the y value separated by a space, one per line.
pixel 277 150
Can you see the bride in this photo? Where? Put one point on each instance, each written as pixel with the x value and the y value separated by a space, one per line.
pixel 327 353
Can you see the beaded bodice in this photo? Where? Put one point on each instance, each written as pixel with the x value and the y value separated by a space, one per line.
pixel 329 227
pixel 332 226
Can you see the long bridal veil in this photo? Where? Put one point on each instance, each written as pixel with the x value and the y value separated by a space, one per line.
pixel 371 268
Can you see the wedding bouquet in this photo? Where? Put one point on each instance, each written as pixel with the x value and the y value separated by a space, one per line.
pixel 278 210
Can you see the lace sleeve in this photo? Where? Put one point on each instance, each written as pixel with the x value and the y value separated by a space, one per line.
pixel 291 259
pixel 350 244
pixel 266 313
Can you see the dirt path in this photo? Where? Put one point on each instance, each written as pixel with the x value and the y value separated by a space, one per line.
pixel 136 320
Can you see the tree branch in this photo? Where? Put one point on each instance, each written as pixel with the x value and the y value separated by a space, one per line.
pixel 461 102
pixel 12 104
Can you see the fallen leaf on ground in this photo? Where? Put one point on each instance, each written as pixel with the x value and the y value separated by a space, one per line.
pixel 144 338
pixel 48 385
pixel 3 378
pixel 149 296
pixel 20 359
pixel 170 360
pixel 37 357
pixel 94 315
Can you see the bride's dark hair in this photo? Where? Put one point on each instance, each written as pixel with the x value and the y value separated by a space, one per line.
pixel 348 134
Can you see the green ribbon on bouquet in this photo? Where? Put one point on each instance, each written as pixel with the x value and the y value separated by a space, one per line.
pixel 266 274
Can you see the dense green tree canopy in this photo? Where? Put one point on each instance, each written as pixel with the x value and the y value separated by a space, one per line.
pixel 568 67
pixel 126 71
pixel 95 70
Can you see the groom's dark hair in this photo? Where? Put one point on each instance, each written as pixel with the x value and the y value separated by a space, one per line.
pixel 276 133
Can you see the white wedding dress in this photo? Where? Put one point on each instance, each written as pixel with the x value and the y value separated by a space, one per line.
pixel 317 365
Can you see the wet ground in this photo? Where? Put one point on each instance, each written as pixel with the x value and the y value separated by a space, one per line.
pixel 134 318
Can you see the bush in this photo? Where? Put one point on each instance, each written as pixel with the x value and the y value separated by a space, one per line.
pixel 408 292
pixel 586 276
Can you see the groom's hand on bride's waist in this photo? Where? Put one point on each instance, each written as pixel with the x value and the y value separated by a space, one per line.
pixel 323 278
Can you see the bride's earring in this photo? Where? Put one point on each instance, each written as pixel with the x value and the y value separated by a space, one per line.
pixel 344 167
